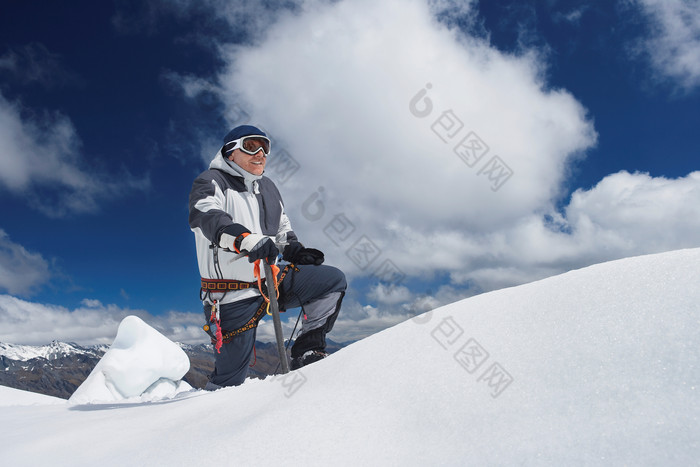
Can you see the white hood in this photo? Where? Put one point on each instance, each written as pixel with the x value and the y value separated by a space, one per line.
pixel 230 167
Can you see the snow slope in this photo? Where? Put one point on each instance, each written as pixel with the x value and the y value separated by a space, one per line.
pixel 11 396
pixel 595 366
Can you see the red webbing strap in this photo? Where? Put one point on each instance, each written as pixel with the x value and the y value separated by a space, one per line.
pixel 252 323
pixel 275 272
pixel 216 319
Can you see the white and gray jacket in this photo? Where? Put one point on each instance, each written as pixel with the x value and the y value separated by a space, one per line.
pixel 226 197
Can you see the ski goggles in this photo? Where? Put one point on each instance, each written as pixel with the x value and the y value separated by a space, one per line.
pixel 249 144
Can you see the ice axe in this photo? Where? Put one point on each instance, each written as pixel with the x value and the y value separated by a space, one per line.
pixel 275 312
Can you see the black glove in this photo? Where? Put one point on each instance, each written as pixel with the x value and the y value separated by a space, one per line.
pixel 257 247
pixel 296 253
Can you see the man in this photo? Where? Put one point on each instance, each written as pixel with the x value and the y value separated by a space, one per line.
pixel 237 216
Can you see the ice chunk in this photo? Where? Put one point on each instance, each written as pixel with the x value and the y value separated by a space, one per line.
pixel 140 359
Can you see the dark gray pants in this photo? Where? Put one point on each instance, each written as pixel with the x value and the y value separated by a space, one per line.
pixel 319 289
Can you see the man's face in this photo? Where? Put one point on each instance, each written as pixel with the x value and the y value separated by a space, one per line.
pixel 254 164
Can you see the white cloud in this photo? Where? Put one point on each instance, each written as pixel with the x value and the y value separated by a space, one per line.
pixel 30 323
pixel 334 84
pixel 21 271
pixel 34 63
pixel 394 304
pixel 357 322
pixel 41 164
pixel 567 14
pixel 623 215
pixel 389 294
pixel 674 45
pixel 91 303
pixel 459 14
pixel 656 212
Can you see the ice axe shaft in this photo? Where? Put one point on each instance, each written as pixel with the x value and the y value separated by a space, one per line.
pixel 275 312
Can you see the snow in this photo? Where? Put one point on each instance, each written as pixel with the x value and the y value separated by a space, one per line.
pixel 140 363
pixel 28 352
pixel 21 352
pixel 598 366
pixel 54 350
pixel 11 397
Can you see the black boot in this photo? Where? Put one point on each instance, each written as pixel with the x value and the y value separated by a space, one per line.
pixel 308 358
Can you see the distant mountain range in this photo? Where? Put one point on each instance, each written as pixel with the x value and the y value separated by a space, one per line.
pixel 57 369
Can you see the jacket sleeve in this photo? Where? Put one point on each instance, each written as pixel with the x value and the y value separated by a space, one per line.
pixel 206 206
pixel 285 234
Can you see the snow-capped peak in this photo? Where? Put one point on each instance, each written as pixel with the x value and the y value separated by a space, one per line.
pixel 54 350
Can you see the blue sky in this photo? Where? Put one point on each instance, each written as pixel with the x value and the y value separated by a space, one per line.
pixel 108 110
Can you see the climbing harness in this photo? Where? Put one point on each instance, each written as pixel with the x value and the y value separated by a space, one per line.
pixel 225 285
pixel 213 327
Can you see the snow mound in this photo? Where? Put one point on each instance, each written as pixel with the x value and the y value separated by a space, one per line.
pixel 140 363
